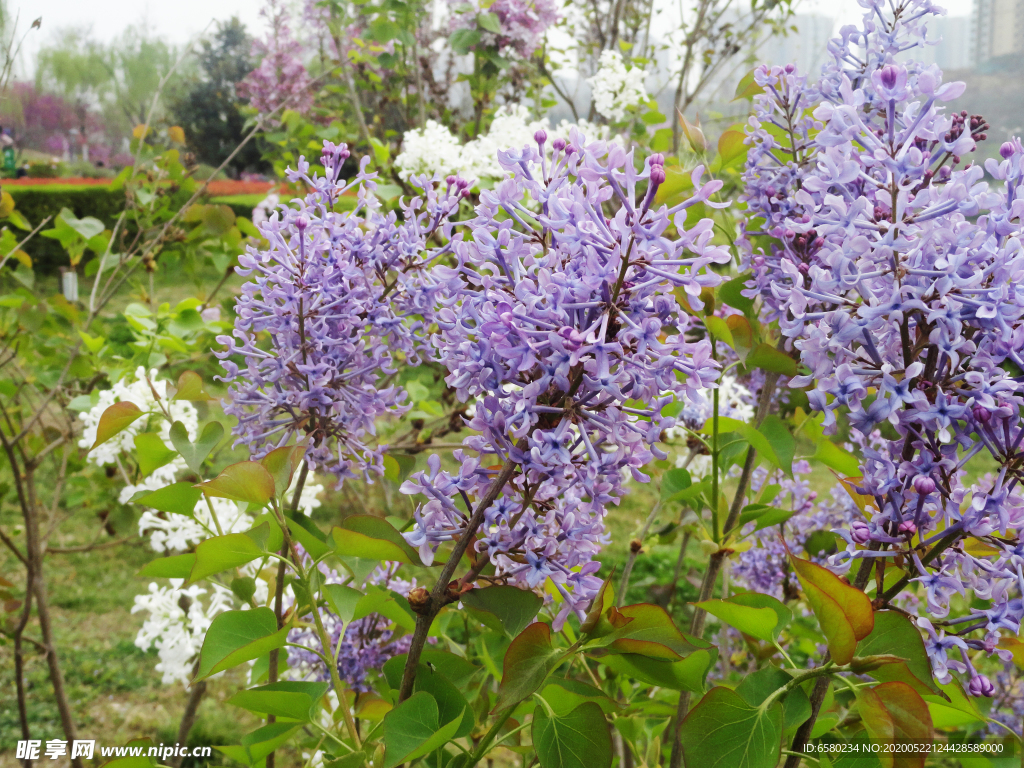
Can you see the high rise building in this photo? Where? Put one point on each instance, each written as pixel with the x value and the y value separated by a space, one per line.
pixel 998 29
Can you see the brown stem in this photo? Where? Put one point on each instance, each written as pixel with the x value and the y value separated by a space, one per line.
pixel 188 717
pixel 634 551
pixel 19 661
pixel 33 545
pixel 439 597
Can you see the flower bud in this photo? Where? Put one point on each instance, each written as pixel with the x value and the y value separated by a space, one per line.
pixel 981 686
pixel 923 484
pixel 450 180
pixel 657 175
pixel 540 137
pixel 419 600
pixel 694 134
pixel 981 414
pixel 860 532
pixel 657 159
pixel 558 144
pixel 1006 151
pixel 907 527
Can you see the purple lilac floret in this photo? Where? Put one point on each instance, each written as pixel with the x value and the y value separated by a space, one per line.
pixel 561 325
pixel 280 79
pixel 521 23
pixel 895 272
pixel 333 301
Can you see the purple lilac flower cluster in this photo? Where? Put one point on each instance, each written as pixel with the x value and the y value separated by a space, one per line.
pixel 339 296
pixel 560 322
pixel 281 78
pixel 521 23
pixel 897 275
pixel 361 645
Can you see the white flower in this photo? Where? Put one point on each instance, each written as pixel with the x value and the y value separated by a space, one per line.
pixel 139 391
pixel 170 532
pixel 616 89
pixel 177 623
pixel 266 206
pixel 435 151
pixel 430 150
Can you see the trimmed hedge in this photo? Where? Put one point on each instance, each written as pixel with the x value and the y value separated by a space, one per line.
pixel 37 202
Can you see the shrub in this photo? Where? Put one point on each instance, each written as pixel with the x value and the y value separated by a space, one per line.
pixel 36 203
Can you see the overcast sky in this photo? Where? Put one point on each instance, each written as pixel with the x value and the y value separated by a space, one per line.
pixel 180 20
pixel 175 20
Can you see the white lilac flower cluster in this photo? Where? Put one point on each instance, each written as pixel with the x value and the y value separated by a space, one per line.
pixel 142 390
pixel 178 618
pixel 616 87
pixel 435 150
pixel 177 623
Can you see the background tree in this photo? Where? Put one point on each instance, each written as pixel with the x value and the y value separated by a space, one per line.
pixel 208 107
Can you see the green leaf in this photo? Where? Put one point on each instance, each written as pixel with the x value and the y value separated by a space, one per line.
pixel 724 731
pixel 732 147
pixel 894 713
pixel 731 293
pixel 646 630
pixel 752 436
pixel 514 608
pixel 451 704
pixel 180 499
pixel 565 694
pixel 235 637
pixel 259 743
pixel 222 552
pixel 768 358
pixel 718 328
pixel 463 40
pixel 839 459
pixel 115 420
pixel 151 453
pixel 781 439
pixel 173 567
pixel 294 700
pixel 677 485
pixel 894 634
pixel 387 604
pixel 760 616
pixel 455 668
pixel 580 739
pixel 686 675
pixel 190 387
pixel 843 611
pixel 529 660
pixel 281 463
pixel 413 729
pixel 195 455
pixel 747 88
pixel 312 539
pixel 244 587
pixel 342 600
pixel 372 538
pixel 765 516
pixel 489 21
pixel 246 481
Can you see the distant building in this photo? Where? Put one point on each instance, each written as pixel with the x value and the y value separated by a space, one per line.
pixel 955 42
pixel 998 29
